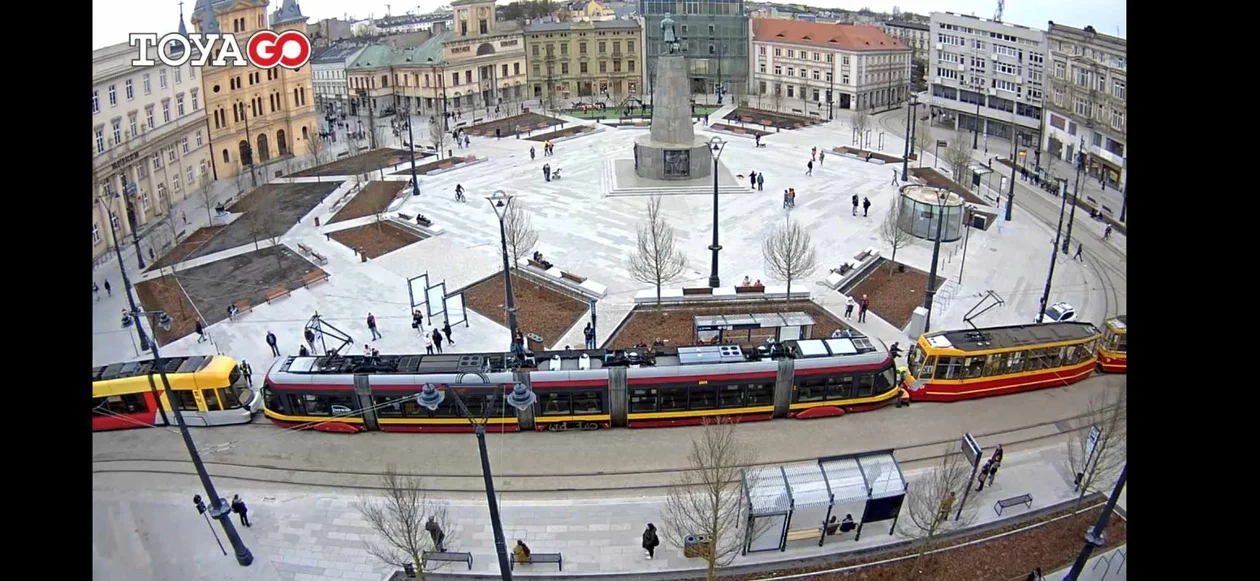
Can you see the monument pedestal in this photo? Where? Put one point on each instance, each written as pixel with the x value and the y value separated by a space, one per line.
pixel 671 150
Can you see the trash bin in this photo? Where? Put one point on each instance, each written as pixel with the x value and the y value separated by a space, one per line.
pixel 695 546
pixel 533 342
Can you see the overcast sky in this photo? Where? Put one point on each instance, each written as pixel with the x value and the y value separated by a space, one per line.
pixel 113 20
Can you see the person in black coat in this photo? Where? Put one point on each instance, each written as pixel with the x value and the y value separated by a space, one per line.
pixel 437 340
pixel 271 341
pixel 238 507
pixel 650 540
pixel 446 330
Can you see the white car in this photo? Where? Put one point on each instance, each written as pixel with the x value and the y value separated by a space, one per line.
pixel 1059 312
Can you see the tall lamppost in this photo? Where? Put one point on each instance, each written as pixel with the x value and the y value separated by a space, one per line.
pixel 122 268
pixel 975 127
pixel 411 145
pixel 500 201
pixel 129 190
pixel 219 508
pixel 1010 193
pixel 1097 536
pixel 716 145
pixel 1054 250
pixel 1080 165
pixel 942 195
pixel 905 159
pixel 520 398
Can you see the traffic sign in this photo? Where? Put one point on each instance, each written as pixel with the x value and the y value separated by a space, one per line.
pixel 971 449
pixel 1092 441
pixel 941 143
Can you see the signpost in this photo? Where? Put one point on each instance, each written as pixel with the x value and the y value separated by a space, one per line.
pixel 936 156
pixel 1091 444
pixel 973 452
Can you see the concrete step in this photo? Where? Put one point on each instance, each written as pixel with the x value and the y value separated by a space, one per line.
pixel 679 191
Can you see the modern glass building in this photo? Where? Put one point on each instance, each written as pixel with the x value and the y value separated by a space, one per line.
pixel 712 34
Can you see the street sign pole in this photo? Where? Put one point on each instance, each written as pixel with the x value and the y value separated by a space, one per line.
pixel 973 452
pixel 1091 445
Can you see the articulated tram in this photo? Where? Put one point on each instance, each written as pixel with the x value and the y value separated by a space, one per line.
pixel 589 389
pixel 1113 352
pixel 210 390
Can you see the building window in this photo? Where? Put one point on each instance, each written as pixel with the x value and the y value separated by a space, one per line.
pixel 817 74
pixel 189 173
pixel 96 102
pixel 184 142
pixel 148 85
pixel 778 52
pixel 161 188
pixel 762 68
pixel 166 111
pixel 117 126
pixel 130 90
pixel 157 162
pixel 791 54
pixel 603 67
pixel 1118 89
pixel 96 234
pixel 1117 119
pixel 1058 97
pixel 516 68
pixel 148 115
pixel 778 70
pixel 827 77
pixel 175 182
pixel 844 60
pixel 135 127
pixel 1082 77
pixel 170 154
pixel 761 50
pixel 194 100
pixel 179 104
pixel 817 57
pixel 564 68
pixel 162 78
pixel 100 140
pixel 144 201
pixel 113 96
pixel 199 142
pixel 1082 107
pixel 178 76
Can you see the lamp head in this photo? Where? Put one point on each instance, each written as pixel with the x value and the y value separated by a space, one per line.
pixel 430 397
pixel 521 397
pixel 164 321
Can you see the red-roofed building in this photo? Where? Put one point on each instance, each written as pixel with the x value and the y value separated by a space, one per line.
pixel 810 65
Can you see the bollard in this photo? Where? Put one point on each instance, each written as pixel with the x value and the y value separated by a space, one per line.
pixel 317 220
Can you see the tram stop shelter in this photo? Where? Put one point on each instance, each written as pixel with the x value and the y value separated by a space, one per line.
pixel 752 329
pixel 794 502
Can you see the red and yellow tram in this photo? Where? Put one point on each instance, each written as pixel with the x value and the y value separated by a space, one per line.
pixel 211 391
pixel 1113 351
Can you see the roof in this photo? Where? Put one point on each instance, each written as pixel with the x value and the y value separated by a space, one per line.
pixel 380 56
pixel 337 53
pixel 821 34
pixel 374 56
pixel 1011 337
pixel 288 13
pixel 188 364
pixel 597 25
pixel 908 24
pixel 1087 31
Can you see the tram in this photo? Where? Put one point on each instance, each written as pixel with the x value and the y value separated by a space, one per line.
pixel 968 364
pixel 585 390
pixel 210 391
pixel 1113 356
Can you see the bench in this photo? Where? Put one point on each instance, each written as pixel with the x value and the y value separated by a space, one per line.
pixel 307 250
pixel 536 264
pixel 314 277
pixel 698 291
pixel 750 289
pixel 276 293
pixel 542 558
pixel 862 256
pixel 447 557
pixel 242 307
pixel 805 534
pixel 573 277
pixel 1024 499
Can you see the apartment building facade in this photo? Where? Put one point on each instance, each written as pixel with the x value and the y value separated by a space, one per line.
pixel 712 34
pixel 822 67
pixel 574 60
pixel 987 77
pixel 1086 110
pixel 328 77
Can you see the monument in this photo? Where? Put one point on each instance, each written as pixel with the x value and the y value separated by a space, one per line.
pixel 671 150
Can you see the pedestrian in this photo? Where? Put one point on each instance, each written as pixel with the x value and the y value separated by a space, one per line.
pixel 855 204
pixel 786 199
pixel 201 331
pixel 248 372
pixel 309 335
pixel 428 343
pixel 894 182
pixel 183 216
pixel 531 153
pixel 1106 234
pixel 271 340
pixel 437 340
pixel 947 503
pixel 895 352
pixel 1080 247
pixel 848 307
pixel 706 118
pixel 866 206
pixel 813 153
pixel 435 534
pixel 152 257
pixel 238 507
pixel 864 304
pixel 231 310
pixel 417 321
pixel 821 156
pixel 809 168
pixel 761 179
pixel 650 540
pixel 589 333
pixel 993 470
pixel 496 133
pixel 467 142
pixel 96 290
pixel 521 551
pixel 446 330
pixel 547 171
pixel 302 352
pixel 752 179
pixel 997 454
pixel 791 197
pixel 371 323
pixel 108 292
pixel 984 473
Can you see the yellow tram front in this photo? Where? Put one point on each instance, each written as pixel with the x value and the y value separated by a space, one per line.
pixel 1113 356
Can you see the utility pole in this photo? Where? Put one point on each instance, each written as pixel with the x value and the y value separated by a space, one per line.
pixel 1097 536
pixel 1054 250
pixel 1080 164
pixel 905 159
pixel 1010 194
pixel 249 146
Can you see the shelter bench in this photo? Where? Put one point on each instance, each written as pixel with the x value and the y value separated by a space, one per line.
pixel 314 277
pixel 448 557
pixel 276 294
pixel 542 558
pixel 750 289
pixel 805 534
pixel 317 257
pixel 1024 499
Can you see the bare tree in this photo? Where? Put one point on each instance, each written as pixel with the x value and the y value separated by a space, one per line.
pixel 930 502
pixel 708 497
pixel 205 195
pixel 521 235
pixel 657 261
pixel 399 519
pixel 437 135
pixel 384 209
pixel 778 99
pixel 258 223
pixel 242 178
pixel 1108 411
pixel 861 123
pixel 318 149
pixel 789 253
pixel 890 231
pixel 958 158
pixel 923 140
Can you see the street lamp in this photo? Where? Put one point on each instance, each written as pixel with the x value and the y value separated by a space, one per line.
pixel 967 214
pixel 129 190
pixel 716 145
pixel 942 195
pixel 122 268
pixel 219 508
pixel 905 159
pixel 1054 250
pixel 1097 536
pixel 1010 193
pixel 411 143
pixel 1080 165
pixel 520 398
pixel 500 201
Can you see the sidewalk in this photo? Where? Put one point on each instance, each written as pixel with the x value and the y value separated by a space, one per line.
pixel 304 534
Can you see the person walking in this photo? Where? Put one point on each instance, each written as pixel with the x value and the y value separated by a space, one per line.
pixel 467 142
pixel 813 153
pixel 446 330
pixel 895 351
pixel 809 168
pixel 1106 235
pixel 786 199
pixel 96 291
pixel 371 324
pixel 271 341
pixel 589 334
pixel 752 179
pixel 791 197
pixel 997 454
pixel 238 507
pixel 866 206
pixel 417 321
pixel 848 308
pixel 821 155
pixel 855 204
pixel 863 305
pixel 1080 247
pixel 984 473
pixel 435 534
pixel 761 179
pixel 650 540
pixel 309 335
pixel 894 182
pixel 993 469
pixel 108 292
pixel 531 153
pixel 947 504
pixel 547 171
pixel 247 372
pixel 437 340
pixel 201 331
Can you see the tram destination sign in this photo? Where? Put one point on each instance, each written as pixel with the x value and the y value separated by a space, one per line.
pixel 971 449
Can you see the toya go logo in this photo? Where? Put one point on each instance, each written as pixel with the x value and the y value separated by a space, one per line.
pixel 265 49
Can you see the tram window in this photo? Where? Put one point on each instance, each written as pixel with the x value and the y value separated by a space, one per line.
pixel 388 406
pixel 1054 357
pixel 915 360
pixel 1036 360
pixel 811 390
pixel 840 387
pixel 212 400
pixel 731 396
pixel 412 409
pixel 996 364
pixel 759 394
pixel 446 409
pixel 235 397
pixel 673 399
pixel 642 400
pixel 1091 347
pixel 555 404
pixel 973 367
pixel 274 400
pixel 343 405
pixel 885 380
pixel 949 368
pixel 1015 361
pixel 929 367
pixel 185 400
pixel 1071 355
pixel 314 405
pixel 119 404
pixel 1121 344
pixel 703 397
pixel 865 384
pixel 587 402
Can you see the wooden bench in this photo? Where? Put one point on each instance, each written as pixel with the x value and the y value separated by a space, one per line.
pixel 542 558
pixel 307 250
pixel 805 534
pixel 242 307
pixel 1024 499
pixel 276 293
pixel 573 277
pixel 536 264
pixel 698 291
pixel 862 256
pixel 447 557
pixel 750 289
pixel 314 277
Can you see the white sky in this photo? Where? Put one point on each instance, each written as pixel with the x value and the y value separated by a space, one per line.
pixel 113 20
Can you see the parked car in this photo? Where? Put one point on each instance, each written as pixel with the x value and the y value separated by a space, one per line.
pixel 1059 312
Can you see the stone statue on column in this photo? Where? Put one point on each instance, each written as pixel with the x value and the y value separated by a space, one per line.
pixel 668 34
